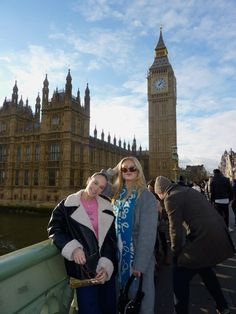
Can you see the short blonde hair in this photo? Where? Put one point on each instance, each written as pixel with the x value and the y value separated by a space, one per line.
pixel 139 182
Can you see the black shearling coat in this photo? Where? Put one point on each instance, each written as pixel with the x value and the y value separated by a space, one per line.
pixel 70 227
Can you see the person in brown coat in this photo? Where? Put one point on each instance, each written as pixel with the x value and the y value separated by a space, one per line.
pixel 199 241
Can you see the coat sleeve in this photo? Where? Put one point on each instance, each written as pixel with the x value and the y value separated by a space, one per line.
pixel 147 229
pixel 108 259
pixel 175 225
pixel 59 233
pixel 211 191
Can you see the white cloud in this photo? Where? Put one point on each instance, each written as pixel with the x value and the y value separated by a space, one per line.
pixel 203 140
pixel 29 68
pixel 120 117
pixel 96 10
pixel 103 47
pixel 110 47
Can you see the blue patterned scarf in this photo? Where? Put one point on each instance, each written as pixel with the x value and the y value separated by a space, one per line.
pixel 123 208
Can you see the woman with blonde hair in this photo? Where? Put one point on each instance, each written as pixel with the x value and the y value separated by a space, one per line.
pixel 136 224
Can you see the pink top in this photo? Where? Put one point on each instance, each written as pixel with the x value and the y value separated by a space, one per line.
pixel 91 207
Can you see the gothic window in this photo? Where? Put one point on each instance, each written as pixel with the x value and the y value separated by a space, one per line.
pixel 81 127
pixel 18 153
pixel 36 177
pixel 3 153
pixel 72 154
pixel 26 177
pixel 72 177
pixel 27 153
pixel 2 176
pixel 54 152
pixel 164 108
pixel 17 177
pixel 3 127
pixel 55 120
pixel 91 155
pixel 73 125
pixel 52 174
pixel 81 153
pixel 37 152
pixel 81 174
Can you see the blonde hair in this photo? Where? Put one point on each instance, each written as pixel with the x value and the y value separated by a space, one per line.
pixel 139 183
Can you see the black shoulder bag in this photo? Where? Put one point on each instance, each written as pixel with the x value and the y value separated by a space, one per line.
pixel 127 305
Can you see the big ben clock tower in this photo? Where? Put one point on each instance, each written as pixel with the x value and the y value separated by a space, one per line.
pixel 163 158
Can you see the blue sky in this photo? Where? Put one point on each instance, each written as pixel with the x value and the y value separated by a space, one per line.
pixel 110 44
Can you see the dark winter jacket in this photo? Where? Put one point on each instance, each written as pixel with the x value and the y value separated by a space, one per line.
pixel 207 241
pixel 220 188
pixel 71 228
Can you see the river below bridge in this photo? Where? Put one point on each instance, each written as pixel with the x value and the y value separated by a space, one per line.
pixel 18 230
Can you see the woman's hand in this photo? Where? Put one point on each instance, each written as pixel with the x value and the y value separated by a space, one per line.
pixel 101 276
pixel 136 273
pixel 79 256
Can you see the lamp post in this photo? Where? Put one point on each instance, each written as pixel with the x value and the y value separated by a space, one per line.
pixel 175 159
pixel 175 170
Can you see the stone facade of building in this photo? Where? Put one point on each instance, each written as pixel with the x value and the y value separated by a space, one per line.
pixel 50 153
pixel 228 164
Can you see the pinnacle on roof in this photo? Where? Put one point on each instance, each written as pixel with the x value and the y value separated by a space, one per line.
pixel 160 44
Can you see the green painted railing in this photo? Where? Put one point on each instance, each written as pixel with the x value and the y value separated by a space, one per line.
pixel 33 281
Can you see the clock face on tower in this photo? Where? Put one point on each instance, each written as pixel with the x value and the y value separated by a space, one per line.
pixel 159 84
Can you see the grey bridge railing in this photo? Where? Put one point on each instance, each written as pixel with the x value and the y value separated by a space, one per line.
pixel 33 281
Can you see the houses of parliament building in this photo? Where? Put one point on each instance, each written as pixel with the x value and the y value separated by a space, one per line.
pixel 49 153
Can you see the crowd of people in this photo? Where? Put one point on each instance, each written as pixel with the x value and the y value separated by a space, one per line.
pixel 119 225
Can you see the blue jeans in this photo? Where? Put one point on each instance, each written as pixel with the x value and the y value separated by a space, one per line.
pixel 97 299
pixel 181 281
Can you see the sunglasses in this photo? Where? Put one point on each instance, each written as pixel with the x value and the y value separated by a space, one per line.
pixel 130 169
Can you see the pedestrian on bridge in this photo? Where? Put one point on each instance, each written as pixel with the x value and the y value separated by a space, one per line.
pixel 204 243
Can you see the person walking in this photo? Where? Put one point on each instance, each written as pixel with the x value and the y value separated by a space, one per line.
pixel 181 181
pixel 136 222
pixel 196 186
pixel 221 194
pixel 82 226
pixel 205 242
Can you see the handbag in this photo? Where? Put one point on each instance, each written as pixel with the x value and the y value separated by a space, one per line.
pixel 126 304
pixel 87 272
pixel 78 283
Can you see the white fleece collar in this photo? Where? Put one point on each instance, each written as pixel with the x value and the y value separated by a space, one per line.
pixel 80 215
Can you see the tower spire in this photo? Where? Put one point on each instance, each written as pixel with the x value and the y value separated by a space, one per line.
pixel 68 86
pixel 15 94
pixel 161 49
pixel 161 53
pixel 45 93
pixel 87 99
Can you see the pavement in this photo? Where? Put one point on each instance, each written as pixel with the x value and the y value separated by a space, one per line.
pixel 200 299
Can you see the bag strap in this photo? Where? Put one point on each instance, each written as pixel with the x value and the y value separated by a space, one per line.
pixel 129 282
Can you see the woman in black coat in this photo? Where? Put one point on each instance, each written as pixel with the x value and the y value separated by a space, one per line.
pixel 82 227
